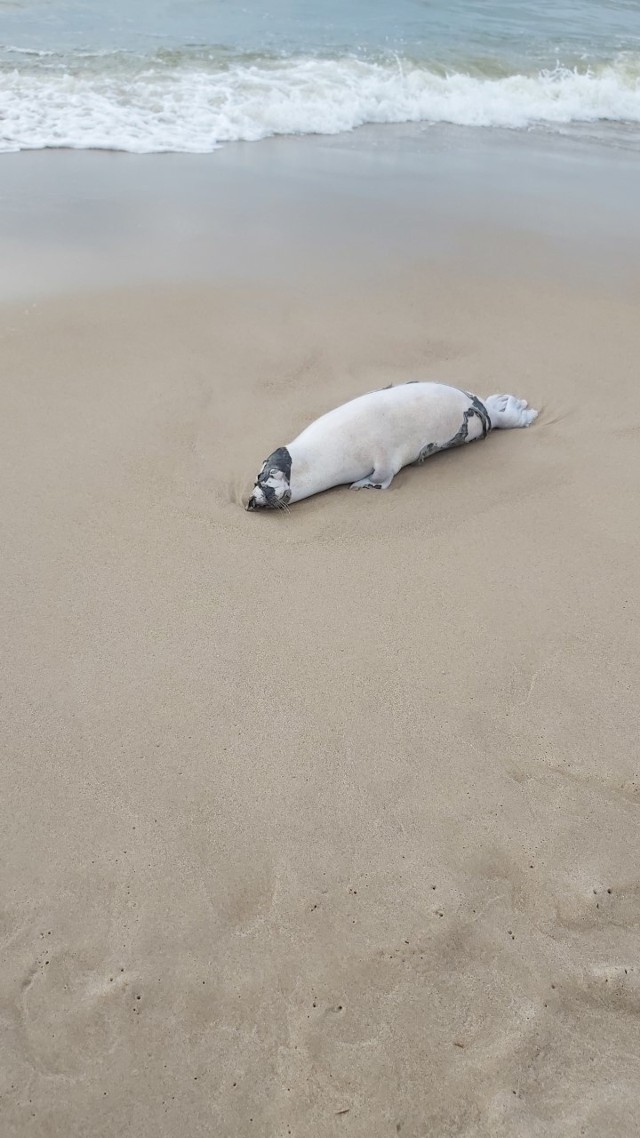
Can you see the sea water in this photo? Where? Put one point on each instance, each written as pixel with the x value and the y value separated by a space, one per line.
pixel 189 75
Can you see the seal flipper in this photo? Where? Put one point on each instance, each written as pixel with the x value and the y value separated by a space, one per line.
pixel 380 478
pixel 508 411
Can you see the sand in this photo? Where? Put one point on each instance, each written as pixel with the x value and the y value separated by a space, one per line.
pixel 319 824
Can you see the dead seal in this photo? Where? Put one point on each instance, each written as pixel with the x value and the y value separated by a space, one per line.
pixel 366 442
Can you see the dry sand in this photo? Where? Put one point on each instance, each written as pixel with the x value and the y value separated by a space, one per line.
pixel 320 824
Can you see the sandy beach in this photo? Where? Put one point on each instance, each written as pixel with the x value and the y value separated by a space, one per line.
pixel 321 824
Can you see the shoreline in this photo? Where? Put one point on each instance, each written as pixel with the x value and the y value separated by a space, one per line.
pixel 77 219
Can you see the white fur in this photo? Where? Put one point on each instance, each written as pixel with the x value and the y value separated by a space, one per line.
pixel 367 441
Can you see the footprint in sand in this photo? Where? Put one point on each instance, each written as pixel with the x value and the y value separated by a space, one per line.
pixel 71 1015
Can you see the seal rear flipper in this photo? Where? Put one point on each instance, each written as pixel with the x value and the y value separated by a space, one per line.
pixel 506 411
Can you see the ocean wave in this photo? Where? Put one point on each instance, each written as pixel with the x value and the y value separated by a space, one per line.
pixel 154 108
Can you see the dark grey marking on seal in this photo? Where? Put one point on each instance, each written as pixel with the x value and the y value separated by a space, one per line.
pixel 431 448
pixel 477 409
pixel 406 384
pixel 481 411
pixel 279 460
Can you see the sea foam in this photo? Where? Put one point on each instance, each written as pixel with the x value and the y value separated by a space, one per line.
pixel 147 108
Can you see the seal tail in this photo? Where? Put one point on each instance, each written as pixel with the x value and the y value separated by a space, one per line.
pixel 507 411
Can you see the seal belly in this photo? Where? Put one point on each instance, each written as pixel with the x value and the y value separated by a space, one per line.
pixel 315 468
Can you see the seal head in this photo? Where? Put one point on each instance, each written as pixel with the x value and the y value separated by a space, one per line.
pixel 272 489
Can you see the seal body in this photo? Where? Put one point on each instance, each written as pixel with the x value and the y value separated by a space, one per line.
pixel 366 442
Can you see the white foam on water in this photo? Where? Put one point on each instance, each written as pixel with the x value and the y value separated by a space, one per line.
pixel 195 109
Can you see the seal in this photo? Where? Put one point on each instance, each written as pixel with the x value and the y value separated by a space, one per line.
pixel 366 442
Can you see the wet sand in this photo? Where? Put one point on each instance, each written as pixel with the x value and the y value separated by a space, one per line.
pixel 326 823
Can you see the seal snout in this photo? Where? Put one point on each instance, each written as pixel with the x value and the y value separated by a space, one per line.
pixel 272 488
pixel 257 499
